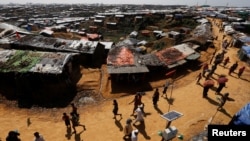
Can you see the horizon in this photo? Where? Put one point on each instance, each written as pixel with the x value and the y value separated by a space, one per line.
pixel 228 3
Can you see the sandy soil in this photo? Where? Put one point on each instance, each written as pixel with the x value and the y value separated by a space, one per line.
pixel 96 111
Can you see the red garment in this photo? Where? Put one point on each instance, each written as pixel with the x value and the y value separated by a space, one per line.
pixel 241 70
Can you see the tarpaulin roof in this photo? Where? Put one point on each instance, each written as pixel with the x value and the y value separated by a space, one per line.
pixel 78 46
pixel 177 54
pixel 243 116
pixel 124 60
pixel 203 30
pixel 13 28
pixel 246 50
pixel 244 39
pixel 33 61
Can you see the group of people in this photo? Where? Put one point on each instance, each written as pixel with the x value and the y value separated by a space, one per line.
pixel 208 83
pixel 130 133
pixel 73 120
pixel 14 136
pixel 138 110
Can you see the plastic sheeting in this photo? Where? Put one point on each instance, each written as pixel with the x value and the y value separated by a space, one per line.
pixel 242 117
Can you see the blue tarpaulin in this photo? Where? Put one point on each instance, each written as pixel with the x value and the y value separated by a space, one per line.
pixel 243 116
pixel 246 50
pixel 245 39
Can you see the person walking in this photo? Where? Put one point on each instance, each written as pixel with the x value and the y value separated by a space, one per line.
pixel 115 109
pixel 223 100
pixel 233 68
pixel 134 135
pixel 139 116
pixel 128 129
pixel 241 70
pixel 222 83
pixel 74 109
pixel 198 78
pixel 165 88
pixel 211 72
pixel 226 61
pixel 137 101
pixel 38 137
pixel 75 122
pixel 206 86
pixel 204 69
pixel 66 120
pixel 155 97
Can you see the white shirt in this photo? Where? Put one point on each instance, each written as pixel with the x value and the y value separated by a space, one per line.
pixel 39 139
pixel 139 114
pixel 134 136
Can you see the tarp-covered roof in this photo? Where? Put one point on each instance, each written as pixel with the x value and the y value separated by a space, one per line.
pixel 12 29
pixel 171 57
pixel 245 39
pixel 79 46
pixel 202 31
pixel 124 60
pixel 243 116
pixel 33 61
pixel 201 34
pixel 128 42
pixel 176 53
pixel 246 50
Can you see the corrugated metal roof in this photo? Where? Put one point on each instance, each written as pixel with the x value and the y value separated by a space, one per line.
pixel 79 46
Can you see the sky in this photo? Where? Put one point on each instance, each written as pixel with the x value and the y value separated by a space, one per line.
pixel 236 3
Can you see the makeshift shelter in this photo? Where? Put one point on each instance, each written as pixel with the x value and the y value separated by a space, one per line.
pixel 41 78
pixel 201 35
pixel 171 57
pixel 237 39
pixel 91 52
pixel 242 116
pixel 229 30
pixel 128 42
pixel 245 40
pixel 124 63
pixel 244 53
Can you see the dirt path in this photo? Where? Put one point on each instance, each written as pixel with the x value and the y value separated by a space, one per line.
pixel 97 115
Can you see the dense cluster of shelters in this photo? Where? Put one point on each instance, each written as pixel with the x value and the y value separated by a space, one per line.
pixel 26 56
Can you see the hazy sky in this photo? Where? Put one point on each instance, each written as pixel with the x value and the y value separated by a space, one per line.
pixel 238 3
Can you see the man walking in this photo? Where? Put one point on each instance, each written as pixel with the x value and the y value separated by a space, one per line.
pixel 75 122
pixel 155 97
pixel 241 70
pixel 233 68
pixel 139 116
pixel 222 83
pixel 165 88
pixel 66 119
pixel 128 129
